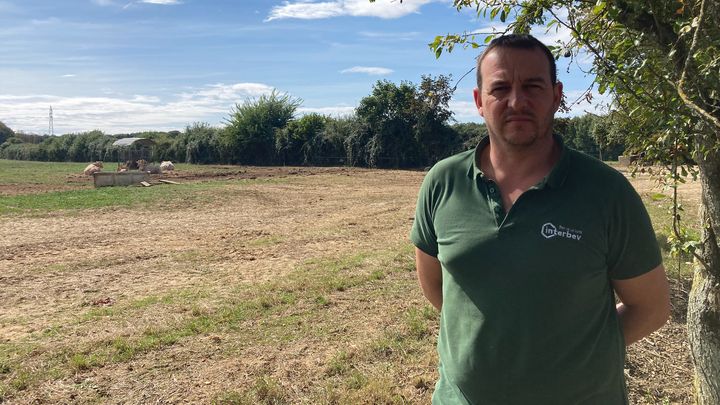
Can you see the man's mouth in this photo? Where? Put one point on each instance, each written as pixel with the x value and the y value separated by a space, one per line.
pixel 518 118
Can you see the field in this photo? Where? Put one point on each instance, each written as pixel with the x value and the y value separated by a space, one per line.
pixel 242 285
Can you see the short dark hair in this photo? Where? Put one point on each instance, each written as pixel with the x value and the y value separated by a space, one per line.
pixel 517 41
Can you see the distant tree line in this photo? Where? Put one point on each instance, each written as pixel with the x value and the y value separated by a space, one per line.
pixel 397 126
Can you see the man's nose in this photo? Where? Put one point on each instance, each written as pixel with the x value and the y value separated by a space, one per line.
pixel 517 99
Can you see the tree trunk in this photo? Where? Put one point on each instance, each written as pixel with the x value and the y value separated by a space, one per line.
pixel 703 319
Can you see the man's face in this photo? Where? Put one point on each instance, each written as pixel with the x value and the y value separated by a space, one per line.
pixel 517 98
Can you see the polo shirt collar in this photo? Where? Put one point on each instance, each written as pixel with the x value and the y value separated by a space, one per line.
pixel 554 179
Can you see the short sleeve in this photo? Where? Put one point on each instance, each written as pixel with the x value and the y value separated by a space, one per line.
pixel 633 248
pixel 423 230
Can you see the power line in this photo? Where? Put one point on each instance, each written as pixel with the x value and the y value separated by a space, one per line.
pixel 51 124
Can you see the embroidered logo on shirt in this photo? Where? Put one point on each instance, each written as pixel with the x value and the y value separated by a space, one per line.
pixel 549 230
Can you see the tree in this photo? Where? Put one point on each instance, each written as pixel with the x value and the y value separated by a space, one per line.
pixel 404 125
pixel 250 134
pixel 200 144
pixel 5 133
pixel 661 61
pixel 294 143
pixel 435 138
pixel 469 134
pixel 332 146
pixel 80 151
pixel 387 115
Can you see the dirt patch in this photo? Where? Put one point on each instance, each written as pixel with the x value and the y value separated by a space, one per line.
pixel 689 193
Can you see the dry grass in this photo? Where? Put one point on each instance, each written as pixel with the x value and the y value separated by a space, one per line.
pixel 292 291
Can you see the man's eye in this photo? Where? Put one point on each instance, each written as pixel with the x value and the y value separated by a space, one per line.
pixel 499 88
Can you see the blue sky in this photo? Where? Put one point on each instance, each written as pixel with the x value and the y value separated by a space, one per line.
pixel 133 65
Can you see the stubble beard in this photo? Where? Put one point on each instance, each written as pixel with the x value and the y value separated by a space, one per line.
pixel 515 139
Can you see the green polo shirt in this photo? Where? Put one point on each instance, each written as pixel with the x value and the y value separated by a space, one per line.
pixel 528 313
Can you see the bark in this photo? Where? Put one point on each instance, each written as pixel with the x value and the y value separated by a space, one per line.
pixel 703 320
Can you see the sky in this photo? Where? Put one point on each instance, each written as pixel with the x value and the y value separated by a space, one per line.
pixel 125 66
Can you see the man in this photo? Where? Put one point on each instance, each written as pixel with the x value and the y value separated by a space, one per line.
pixel 522 245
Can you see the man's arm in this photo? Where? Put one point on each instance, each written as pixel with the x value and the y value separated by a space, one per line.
pixel 644 304
pixel 429 274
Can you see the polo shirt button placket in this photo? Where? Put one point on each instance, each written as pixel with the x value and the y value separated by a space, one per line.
pixel 499 214
pixel 497 204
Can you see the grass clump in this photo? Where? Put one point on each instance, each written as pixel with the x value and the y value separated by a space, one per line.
pixel 377 275
pixel 356 380
pixel 82 362
pixel 417 323
pixel 231 398
pixel 265 241
pixel 379 391
pixel 268 391
pixel 5 367
pixel 21 380
pixel 339 364
pixel 322 301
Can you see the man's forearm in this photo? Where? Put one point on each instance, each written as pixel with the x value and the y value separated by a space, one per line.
pixel 637 323
pixel 433 293
pixel 429 274
pixel 644 304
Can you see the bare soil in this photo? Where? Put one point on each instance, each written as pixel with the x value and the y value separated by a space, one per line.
pixel 56 268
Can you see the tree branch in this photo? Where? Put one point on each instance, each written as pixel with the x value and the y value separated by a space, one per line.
pixel 681 92
pixel 644 99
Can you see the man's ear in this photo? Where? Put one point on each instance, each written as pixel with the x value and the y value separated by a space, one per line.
pixel 478 101
pixel 557 95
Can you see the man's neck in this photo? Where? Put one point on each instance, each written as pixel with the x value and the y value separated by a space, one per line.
pixel 519 168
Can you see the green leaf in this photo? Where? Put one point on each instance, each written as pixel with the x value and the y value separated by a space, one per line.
pixel 599 7
pixel 437 41
pixel 503 16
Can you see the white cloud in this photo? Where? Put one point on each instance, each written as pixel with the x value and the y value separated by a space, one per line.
pixel 104 2
pixel 138 98
pixel 69 75
pixel 370 70
pixel 312 10
pixel 306 11
pixel 116 114
pixel 464 110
